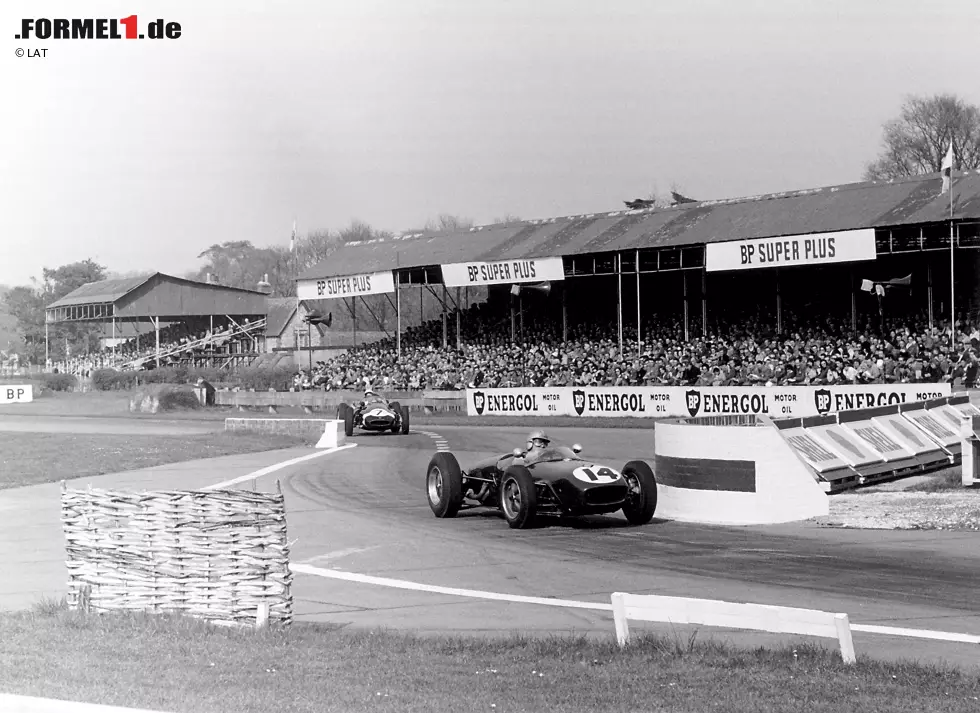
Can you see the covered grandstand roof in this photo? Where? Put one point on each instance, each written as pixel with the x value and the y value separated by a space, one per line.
pixel 157 295
pixel 100 292
pixel 874 204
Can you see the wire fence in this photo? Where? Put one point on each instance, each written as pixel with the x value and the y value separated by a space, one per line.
pixel 220 555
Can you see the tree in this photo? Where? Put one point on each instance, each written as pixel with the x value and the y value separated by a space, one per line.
pixel 506 218
pixel 26 303
pixel 446 221
pixel 916 141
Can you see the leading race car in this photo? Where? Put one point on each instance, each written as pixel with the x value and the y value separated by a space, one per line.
pixel 553 481
pixel 374 413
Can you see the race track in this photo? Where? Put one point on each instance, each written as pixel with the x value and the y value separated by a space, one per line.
pixel 364 510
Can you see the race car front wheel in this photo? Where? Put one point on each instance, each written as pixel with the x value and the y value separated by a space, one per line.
pixel 518 498
pixel 444 485
pixel 405 419
pixel 397 408
pixel 346 414
pixel 641 502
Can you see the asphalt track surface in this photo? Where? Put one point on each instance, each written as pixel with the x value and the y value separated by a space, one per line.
pixel 363 510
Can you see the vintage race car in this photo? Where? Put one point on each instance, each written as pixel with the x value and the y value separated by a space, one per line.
pixel 556 482
pixel 378 416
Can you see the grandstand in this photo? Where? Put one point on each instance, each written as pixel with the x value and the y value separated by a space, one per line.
pixel 666 288
pixel 175 320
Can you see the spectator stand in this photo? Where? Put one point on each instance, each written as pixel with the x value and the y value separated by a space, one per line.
pixel 784 271
pixel 199 323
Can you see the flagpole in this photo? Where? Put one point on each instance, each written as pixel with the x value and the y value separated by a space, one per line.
pixel 952 272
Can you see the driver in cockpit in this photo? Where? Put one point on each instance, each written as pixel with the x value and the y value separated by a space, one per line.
pixel 537 442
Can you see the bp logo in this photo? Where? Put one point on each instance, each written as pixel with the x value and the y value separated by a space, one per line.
pixel 822 399
pixel 693 399
pixel 578 401
pixel 479 402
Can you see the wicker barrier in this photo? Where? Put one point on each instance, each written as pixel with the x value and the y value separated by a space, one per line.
pixel 220 555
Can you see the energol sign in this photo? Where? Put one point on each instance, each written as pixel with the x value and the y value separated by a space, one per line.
pixel 681 401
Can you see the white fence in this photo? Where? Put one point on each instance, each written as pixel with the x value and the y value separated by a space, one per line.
pixel 709 612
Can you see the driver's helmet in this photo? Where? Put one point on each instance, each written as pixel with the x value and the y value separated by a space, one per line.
pixel 369 394
pixel 537 439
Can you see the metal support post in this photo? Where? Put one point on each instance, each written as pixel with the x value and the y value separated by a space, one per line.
pixel 704 302
pixel 459 317
pixel 445 320
pixel 639 328
pixel 619 299
pixel 687 321
pixel 398 315
pixel 564 312
pixel 779 304
pixel 929 292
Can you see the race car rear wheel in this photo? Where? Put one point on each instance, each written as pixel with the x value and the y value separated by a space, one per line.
pixel 346 414
pixel 641 502
pixel 518 498
pixel 444 485
pixel 405 419
pixel 397 408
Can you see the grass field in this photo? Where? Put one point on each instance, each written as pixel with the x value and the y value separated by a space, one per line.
pixel 31 458
pixel 175 664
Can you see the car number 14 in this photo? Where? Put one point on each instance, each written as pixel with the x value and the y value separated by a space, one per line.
pixel 596 474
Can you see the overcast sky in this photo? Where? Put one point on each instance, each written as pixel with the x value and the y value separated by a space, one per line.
pixel 142 154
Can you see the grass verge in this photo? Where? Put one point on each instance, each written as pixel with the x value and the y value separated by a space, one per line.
pixel 31 458
pixel 172 663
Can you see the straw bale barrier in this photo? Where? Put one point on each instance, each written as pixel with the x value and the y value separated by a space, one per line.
pixel 220 555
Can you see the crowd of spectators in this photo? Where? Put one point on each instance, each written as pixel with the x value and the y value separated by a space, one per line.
pixel 738 350
pixel 179 343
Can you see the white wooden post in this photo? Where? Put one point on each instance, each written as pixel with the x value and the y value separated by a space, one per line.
pixel 619 618
pixel 262 615
pixel 844 636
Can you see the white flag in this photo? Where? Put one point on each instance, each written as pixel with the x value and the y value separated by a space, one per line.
pixel 948 161
pixel 867 285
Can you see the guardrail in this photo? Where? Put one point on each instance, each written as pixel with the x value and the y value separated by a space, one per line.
pixel 710 612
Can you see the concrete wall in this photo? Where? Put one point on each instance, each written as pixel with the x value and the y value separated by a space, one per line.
pixel 732 475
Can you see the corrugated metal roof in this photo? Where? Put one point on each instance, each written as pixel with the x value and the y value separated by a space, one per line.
pixel 100 292
pixel 846 207
pixel 281 310
pixel 110 291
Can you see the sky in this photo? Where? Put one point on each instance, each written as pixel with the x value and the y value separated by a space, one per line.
pixel 141 154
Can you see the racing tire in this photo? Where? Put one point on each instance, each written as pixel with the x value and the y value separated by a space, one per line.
pixel 518 497
pixel 397 408
pixel 346 414
pixel 642 502
pixel 405 420
pixel 444 485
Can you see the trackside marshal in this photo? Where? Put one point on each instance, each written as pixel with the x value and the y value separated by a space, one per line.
pixel 790 250
pixel 503 272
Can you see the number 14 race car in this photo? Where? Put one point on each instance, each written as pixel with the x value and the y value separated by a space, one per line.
pixel 554 482
pixel 374 414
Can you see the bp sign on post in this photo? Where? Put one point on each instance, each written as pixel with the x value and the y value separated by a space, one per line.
pixel 371 283
pixel 503 272
pixel 21 394
pixel 791 250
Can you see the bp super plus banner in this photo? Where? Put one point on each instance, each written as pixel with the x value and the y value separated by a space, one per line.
pixel 682 401
pixel 18 394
